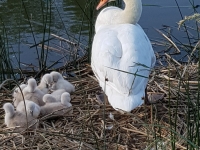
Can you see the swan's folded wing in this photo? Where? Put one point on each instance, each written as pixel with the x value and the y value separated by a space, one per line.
pixel 106 52
pixel 122 55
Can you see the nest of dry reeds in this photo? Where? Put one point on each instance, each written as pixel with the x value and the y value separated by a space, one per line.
pixel 96 125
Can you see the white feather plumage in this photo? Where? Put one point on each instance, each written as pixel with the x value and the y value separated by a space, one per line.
pixel 32 93
pixel 45 83
pixel 32 108
pixel 18 119
pixel 53 107
pixel 61 83
pixel 122 54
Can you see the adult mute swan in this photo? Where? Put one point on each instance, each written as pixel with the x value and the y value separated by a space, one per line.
pixel 122 55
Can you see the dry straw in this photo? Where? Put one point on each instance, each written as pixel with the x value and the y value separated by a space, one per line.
pixel 143 128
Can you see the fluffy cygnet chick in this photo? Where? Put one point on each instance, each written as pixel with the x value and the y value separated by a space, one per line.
pixel 48 98
pixel 17 119
pixel 57 108
pixel 60 83
pixel 57 94
pixel 32 93
pixel 32 108
pixel 17 95
pixel 45 83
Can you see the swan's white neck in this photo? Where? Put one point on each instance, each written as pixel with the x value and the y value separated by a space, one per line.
pixel 131 13
pixel 113 16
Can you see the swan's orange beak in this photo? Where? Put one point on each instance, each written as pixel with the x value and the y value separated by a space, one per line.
pixel 101 4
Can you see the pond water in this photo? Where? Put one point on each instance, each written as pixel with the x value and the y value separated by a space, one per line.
pixel 67 20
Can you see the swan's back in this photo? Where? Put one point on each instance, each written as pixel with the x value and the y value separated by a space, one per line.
pixel 118 48
pixel 104 17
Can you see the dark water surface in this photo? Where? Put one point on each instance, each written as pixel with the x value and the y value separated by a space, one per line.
pixel 67 17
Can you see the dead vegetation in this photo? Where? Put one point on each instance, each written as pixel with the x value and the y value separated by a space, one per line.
pixel 170 123
pixel 95 125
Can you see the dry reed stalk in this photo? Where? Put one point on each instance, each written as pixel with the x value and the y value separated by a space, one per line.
pixel 83 129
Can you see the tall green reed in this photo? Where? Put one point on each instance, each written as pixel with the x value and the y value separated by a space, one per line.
pixel 6 69
pixel 45 8
pixel 192 106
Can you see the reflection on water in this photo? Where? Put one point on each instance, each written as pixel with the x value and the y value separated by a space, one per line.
pixel 164 15
pixel 67 19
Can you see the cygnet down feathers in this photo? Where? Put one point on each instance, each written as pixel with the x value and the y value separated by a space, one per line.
pixel 17 94
pixel 45 83
pixel 31 107
pixel 60 83
pixel 57 94
pixel 17 119
pixel 48 98
pixel 32 93
pixel 57 108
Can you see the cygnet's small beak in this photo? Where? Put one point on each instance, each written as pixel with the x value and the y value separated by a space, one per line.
pixel 101 4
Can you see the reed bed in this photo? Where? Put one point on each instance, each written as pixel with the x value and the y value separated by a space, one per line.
pixel 96 125
pixel 170 122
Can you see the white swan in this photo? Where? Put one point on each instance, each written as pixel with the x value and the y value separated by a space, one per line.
pixel 57 108
pixel 120 44
pixel 32 93
pixel 17 94
pixel 18 119
pixel 45 83
pixel 61 83
pixel 32 108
